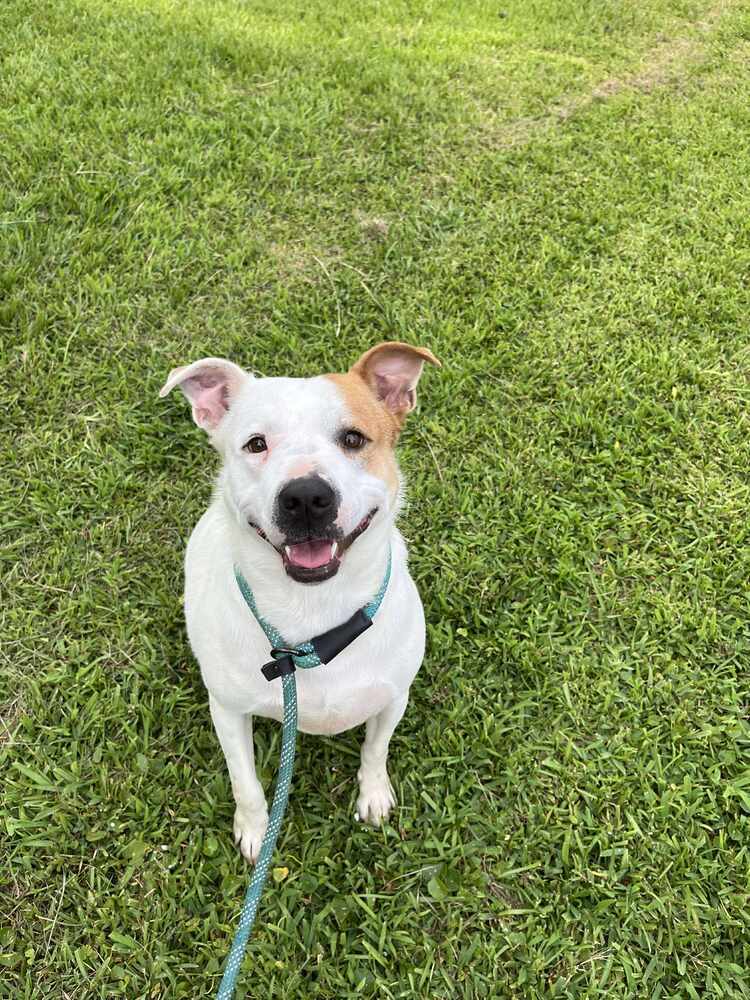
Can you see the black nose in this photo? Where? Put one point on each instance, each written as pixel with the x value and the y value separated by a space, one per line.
pixel 307 504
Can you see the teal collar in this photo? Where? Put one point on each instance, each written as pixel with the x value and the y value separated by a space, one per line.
pixel 320 649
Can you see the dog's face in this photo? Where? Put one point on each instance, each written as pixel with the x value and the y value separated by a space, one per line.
pixel 309 464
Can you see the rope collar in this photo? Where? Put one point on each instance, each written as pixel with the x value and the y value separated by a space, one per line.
pixel 286 659
pixel 321 648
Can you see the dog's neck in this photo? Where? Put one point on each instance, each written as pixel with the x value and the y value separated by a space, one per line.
pixel 302 610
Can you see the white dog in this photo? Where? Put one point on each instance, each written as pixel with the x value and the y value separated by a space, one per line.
pixel 305 509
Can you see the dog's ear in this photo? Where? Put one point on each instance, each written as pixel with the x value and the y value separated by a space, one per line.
pixel 392 370
pixel 210 384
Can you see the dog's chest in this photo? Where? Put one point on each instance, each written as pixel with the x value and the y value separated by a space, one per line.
pixel 328 710
pixel 331 698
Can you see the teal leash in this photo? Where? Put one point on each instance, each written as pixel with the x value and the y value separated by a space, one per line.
pixel 307 655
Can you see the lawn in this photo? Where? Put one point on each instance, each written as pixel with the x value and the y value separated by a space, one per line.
pixel 555 198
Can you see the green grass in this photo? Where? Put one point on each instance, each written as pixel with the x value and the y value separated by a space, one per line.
pixel 555 198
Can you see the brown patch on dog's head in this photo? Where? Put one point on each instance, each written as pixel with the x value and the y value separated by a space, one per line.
pixel 375 422
pixel 379 390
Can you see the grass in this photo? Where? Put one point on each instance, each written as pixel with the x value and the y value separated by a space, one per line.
pixel 555 199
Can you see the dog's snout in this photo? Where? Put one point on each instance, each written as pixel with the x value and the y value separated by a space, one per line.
pixel 308 504
pixel 302 493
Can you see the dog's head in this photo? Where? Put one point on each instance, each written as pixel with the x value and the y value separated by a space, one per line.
pixel 309 464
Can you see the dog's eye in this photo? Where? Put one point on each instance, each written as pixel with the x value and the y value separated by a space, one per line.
pixel 352 440
pixel 257 443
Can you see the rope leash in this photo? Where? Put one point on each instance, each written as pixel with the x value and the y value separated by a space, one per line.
pixel 286 659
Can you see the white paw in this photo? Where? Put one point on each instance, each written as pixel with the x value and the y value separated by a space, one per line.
pixel 376 799
pixel 249 830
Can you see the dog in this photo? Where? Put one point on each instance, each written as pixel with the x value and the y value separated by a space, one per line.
pixel 305 507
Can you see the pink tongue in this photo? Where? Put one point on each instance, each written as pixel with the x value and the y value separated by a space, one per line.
pixel 310 554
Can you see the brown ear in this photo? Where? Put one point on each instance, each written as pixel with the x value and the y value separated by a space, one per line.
pixel 209 385
pixel 392 370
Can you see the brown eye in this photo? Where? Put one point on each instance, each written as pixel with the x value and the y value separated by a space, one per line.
pixel 256 444
pixel 352 440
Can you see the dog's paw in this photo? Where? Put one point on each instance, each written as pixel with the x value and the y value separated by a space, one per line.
pixel 249 830
pixel 376 799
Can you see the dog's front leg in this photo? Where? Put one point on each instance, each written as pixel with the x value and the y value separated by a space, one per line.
pixel 235 732
pixel 376 795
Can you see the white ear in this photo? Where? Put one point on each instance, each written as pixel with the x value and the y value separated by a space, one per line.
pixel 210 384
pixel 392 370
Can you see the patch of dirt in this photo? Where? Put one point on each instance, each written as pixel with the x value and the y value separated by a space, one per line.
pixel 663 64
pixel 10 713
pixel 373 227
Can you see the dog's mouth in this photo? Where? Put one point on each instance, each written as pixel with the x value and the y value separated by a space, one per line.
pixel 314 560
